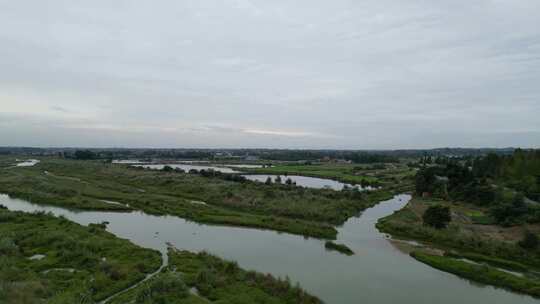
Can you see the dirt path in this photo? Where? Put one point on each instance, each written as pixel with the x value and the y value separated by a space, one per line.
pixel 148 277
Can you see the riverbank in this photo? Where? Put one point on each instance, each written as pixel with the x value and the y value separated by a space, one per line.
pixel 492 247
pixel 48 258
pixel 89 185
pixel 481 273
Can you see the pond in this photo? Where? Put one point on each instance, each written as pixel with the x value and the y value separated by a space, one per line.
pixel 27 163
pixel 378 272
pixel 305 181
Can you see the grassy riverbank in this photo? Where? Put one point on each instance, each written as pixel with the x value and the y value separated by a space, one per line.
pixel 463 234
pixel 90 184
pixel 491 245
pixel 49 259
pixel 481 273
pixel 204 278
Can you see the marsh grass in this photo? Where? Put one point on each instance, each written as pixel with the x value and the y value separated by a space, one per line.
pixel 480 273
pixel 85 184
pixel 80 265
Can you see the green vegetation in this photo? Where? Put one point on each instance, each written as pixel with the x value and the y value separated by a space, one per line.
pixel 338 247
pixel 529 241
pixel 85 155
pixel 509 186
pixel 167 287
pixel 480 209
pixel 89 184
pixel 461 236
pixel 390 176
pixel 481 273
pixel 359 157
pixel 213 280
pixel 45 259
pixel 480 258
pixel 437 216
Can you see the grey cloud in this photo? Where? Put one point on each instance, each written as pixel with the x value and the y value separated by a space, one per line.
pixel 313 74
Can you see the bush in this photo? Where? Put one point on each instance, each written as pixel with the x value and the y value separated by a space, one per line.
pixel 338 247
pixel 529 241
pixel 437 216
pixel 8 246
pixel 163 289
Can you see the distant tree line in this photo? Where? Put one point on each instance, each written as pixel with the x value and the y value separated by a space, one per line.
pixel 314 155
pixel 208 173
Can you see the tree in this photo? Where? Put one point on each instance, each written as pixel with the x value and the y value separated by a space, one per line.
pixel 268 181
pixel 288 181
pixel 437 216
pixel 529 241
pixel 425 180
pixel 167 169
pixel 84 155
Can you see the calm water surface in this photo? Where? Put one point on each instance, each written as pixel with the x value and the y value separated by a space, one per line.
pixel 377 273
pixel 304 181
pixel 187 167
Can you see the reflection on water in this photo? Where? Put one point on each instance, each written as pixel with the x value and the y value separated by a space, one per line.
pixel 186 167
pixel 305 181
pixel 377 273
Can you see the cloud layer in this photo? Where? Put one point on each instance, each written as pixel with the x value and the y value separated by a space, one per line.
pixel 297 74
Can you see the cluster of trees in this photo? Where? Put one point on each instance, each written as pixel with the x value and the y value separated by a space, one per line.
pixel 209 173
pixel 313 155
pixel 85 155
pixel 508 184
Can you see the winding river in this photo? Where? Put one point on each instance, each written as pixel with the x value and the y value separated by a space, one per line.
pixel 378 273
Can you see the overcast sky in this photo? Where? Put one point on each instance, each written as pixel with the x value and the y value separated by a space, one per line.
pixel 270 74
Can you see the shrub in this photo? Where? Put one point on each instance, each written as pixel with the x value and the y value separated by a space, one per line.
pixel 529 241
pixel 437 216
pixel 162 289
pixel 338 247
pixel 8 246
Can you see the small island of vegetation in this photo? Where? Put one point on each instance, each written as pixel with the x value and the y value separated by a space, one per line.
pixel 338 247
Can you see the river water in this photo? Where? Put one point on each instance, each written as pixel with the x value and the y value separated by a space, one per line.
pixel 305 181
pixel 302 181
pixel 377 273
pixel 187 167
